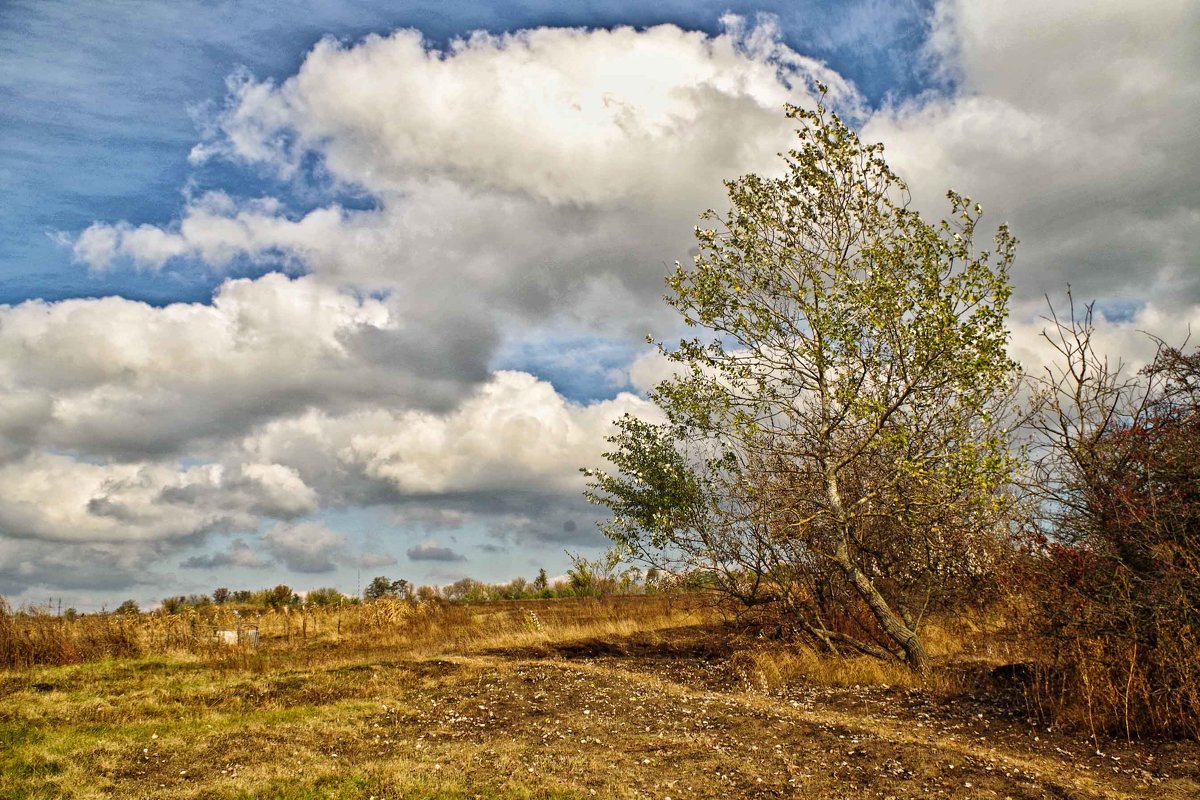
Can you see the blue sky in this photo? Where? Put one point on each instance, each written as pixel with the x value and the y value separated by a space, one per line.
pixel 289 295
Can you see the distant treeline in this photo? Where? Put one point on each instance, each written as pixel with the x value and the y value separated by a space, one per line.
pixel 599 578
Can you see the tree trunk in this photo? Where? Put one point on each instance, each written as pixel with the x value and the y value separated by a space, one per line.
pixel 892 624
pixel 895 628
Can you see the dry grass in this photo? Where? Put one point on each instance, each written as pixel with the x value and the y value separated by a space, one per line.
pixel 27 640
pixel 774 668
pixel 621 697
pixel 971 642
pixel 1104 685
pixel 436 628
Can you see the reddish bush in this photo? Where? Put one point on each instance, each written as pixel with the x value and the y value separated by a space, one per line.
pixel 1121 583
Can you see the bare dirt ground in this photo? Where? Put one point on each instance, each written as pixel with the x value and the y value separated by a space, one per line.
pixel 655 715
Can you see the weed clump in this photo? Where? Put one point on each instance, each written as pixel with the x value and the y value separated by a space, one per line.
pixel 30 639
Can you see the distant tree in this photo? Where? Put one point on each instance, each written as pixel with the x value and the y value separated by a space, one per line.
pixel 601 576
pixel 654 580
pixel 70 614
pixel 515 589
pixel 244 596
pixel 128 607
pixel 280 597
pixel 425 594
pixel 381 587
pixel 541 584
pixel 324 596
pixel 221 596
pixel 466 589
pixel 175 604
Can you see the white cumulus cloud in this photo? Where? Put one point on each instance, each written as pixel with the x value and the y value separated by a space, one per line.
pixel 518 178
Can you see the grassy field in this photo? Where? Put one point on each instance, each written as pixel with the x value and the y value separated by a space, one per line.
pixel 623 698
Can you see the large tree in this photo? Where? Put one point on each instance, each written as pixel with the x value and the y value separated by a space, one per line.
pixel 833 445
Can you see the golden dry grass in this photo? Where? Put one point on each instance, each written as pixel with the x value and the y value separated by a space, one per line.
pixel 28 640
pixel 622 698
pixel 773 668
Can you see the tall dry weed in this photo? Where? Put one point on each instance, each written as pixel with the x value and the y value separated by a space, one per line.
pixel 28 639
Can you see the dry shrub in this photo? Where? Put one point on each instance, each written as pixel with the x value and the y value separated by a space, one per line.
pixel 1123 619
pixel 1117 632
pixel 1116 655
pixel 28 639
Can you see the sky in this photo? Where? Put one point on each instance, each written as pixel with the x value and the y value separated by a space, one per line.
pixel 311 292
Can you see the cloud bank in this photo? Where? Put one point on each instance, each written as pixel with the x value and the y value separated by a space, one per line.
pixel 1075 123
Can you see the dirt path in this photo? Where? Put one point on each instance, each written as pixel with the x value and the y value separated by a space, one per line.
pixel 669 736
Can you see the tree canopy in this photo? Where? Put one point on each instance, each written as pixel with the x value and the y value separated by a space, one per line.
pixel 833 444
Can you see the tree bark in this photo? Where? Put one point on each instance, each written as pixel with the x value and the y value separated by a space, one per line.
pixel 895 628
pixel 892 624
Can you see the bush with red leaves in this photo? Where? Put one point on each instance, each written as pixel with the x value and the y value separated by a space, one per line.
pixel 1120 581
